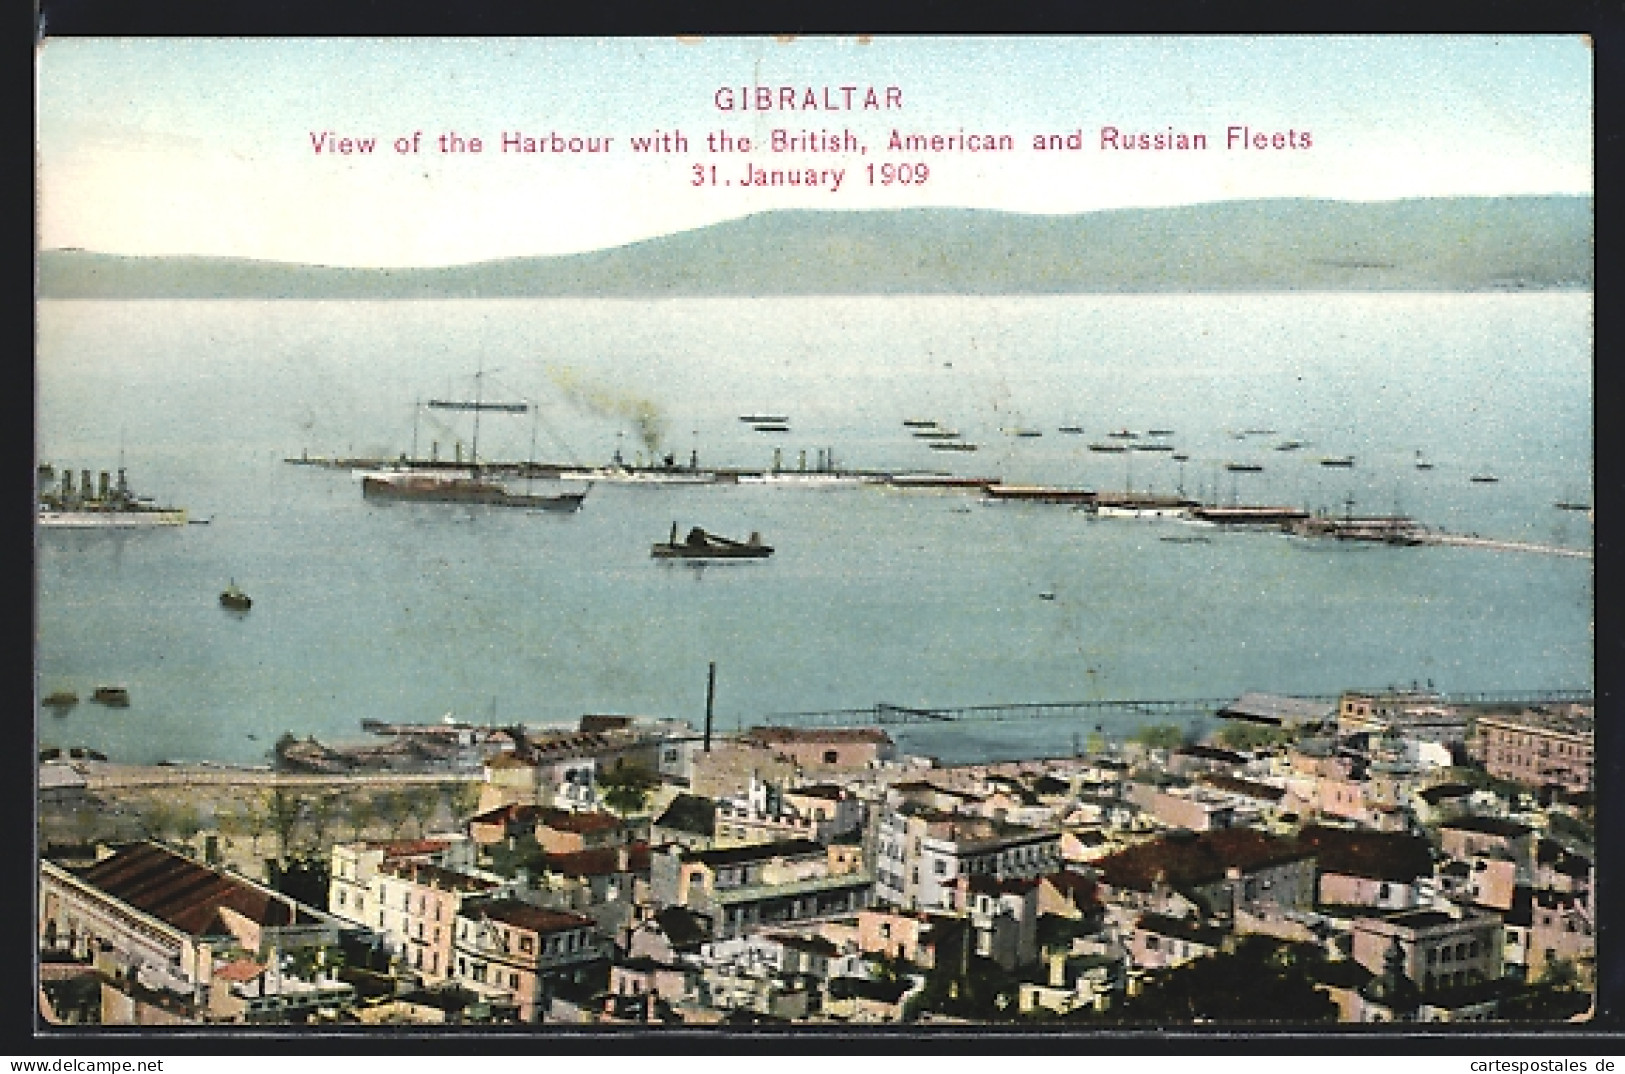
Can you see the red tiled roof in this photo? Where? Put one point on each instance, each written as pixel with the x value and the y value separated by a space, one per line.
pixel 435 876
pixel 525 916
pixel 1081 889
pixel 1507 829
pixel 508 760
pixel 244 969
pixel 1197 859
pixel 513 813
pixel 580 743
pixel 605 723
pixel 1440 791
pixel 603 861
pixel 586 823
pixel 409 848
pixel 1180 928
pixel 1245 787
pixel 184 894
pixel 825 791
pixel 750 852
pixel 1393 856
pixel 984 884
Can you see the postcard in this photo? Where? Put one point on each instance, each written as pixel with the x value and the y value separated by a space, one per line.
pixel 1054 533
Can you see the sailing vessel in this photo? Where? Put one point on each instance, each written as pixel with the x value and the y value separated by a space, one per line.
pixel 470 485
pixel 464 489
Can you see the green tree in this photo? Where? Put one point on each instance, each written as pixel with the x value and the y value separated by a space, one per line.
pixel 1560 973
pixel 391 811
pixel 362 811
pixel 283 809
pixel 321 811
pixel 164 817
pixel 980 990
pixel 463 799
pixel 421 802
pixel 1161 736
pixel 1262 980
pixel 626 790
pixel 1242 735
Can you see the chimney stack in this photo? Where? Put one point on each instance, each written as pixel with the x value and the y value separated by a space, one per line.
pixel 710 699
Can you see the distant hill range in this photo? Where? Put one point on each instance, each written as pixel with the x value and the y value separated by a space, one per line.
pixel 1435 244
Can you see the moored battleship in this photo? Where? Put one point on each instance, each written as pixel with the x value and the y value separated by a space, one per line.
pixel 92 505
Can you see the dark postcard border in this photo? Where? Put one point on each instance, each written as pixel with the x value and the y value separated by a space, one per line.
pixel 1604 22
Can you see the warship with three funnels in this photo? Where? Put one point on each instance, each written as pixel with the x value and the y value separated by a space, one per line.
pixel 98 505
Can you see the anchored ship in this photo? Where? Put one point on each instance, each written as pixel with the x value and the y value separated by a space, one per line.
pixel 462 488
pixel 100 504
pixel 702 545
pixel 235 599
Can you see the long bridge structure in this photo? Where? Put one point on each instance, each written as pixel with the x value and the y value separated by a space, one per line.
pixel 1099 710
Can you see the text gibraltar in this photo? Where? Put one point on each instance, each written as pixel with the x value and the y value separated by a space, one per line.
pixel 808 98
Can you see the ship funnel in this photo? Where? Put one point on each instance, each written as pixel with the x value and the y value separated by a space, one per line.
pixel 67 482
pixel 85 486
pixel 101 489
pixel 123 485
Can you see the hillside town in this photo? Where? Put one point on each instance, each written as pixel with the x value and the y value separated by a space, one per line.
pixel 1388 857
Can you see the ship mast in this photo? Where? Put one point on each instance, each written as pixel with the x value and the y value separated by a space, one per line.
pixel 474 448
pixel 479 404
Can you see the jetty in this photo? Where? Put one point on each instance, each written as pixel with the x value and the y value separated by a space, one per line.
pixel 1505 546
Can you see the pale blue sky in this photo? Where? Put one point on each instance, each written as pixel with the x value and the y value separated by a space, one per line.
pixel 153 146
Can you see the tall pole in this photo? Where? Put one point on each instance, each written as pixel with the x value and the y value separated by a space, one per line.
pixel 710 700
pixel 478 398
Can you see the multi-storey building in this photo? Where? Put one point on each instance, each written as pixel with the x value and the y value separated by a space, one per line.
pixel 519 956
pixel 1540 746
pixel 148 915
pixel 740 888
pixel 1359 867
pixel 561 831
pixel 1405 713
pixel 922 853
pixel 788 755
pixel 417 904
pixel 770 812
pixel 353 866
pixel 1440 949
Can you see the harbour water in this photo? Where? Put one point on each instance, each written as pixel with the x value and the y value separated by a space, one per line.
pixel 402 611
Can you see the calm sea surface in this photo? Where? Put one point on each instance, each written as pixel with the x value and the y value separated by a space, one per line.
pixel 409 611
